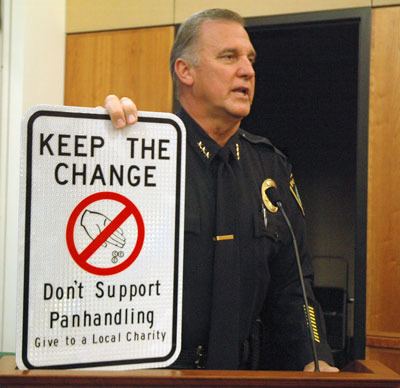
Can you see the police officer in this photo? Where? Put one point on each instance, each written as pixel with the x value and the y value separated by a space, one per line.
pixel 212 67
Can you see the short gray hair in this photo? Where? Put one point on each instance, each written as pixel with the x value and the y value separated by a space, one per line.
pixel 188 34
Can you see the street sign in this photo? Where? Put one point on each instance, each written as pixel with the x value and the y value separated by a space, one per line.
pixel 101 240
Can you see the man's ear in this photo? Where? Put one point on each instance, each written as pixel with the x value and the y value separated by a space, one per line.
pixel 184 71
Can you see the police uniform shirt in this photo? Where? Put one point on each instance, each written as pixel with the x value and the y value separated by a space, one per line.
pixel 269 285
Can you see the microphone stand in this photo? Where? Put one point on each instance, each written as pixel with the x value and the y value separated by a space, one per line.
pixel 279 204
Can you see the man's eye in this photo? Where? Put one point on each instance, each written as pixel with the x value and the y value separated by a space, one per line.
pixel 228 57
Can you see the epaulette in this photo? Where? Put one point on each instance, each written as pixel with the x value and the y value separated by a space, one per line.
pixel 255 139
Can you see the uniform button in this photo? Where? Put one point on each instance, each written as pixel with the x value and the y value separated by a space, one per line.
pixel 276 235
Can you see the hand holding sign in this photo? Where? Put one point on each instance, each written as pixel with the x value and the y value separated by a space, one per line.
pixel 122 111
pixel 94 223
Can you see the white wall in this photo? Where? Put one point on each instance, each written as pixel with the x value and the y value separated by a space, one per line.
pixel 33 43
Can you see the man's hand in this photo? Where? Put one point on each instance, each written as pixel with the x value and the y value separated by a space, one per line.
pixel 122 111
pixel 323 367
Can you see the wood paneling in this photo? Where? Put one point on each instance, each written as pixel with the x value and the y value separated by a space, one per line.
pixel 381 339
pixel 100 15
pixel 380 3
pixel 132 63
pixel 184 8
pixel 388 357
pixel 360 374
pixel 383 254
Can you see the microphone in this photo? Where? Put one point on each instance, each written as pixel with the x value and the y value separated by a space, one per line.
pixel 273 196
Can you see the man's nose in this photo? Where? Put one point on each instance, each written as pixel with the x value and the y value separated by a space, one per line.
pixel 246 68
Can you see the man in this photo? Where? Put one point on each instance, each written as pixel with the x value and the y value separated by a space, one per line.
pixel 212 67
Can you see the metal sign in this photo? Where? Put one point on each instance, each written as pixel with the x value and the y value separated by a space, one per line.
pixel 101 238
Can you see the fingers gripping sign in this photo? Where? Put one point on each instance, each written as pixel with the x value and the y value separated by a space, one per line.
pixel 92 236
pixel 122 111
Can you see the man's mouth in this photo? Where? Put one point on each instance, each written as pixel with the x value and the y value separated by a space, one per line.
pixel 242 90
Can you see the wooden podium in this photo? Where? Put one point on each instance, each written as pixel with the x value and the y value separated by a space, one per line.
pixel 358 374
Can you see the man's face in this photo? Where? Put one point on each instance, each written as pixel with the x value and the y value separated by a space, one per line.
pixel 224 77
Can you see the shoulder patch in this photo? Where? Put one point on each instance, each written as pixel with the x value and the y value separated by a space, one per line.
pixel 295 193
pixel 255 139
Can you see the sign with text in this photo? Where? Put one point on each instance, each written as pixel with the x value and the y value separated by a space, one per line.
pixel 101 240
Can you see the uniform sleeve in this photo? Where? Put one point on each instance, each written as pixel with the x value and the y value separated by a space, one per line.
pixel 286 343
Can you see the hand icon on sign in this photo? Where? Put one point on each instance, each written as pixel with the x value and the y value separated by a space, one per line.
pixel 94 223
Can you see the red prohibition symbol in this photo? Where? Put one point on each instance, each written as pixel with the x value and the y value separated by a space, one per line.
pixel 81 258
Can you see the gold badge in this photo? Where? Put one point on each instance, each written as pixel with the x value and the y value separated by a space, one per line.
pixel 268 204
pixel 295 192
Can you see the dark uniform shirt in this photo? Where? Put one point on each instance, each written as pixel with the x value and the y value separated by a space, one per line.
pixel 269 283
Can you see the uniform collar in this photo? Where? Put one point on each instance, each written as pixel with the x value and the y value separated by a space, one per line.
pixel 202 144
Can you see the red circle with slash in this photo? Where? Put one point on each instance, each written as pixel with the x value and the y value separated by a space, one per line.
pixel 82 258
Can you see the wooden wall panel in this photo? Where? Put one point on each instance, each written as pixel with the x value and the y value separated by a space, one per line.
pixel 388 357
pixel 383 3
pixel 250 8
pixel 133 63
pixel 90 15
pixel 383 243
pixel 100 15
